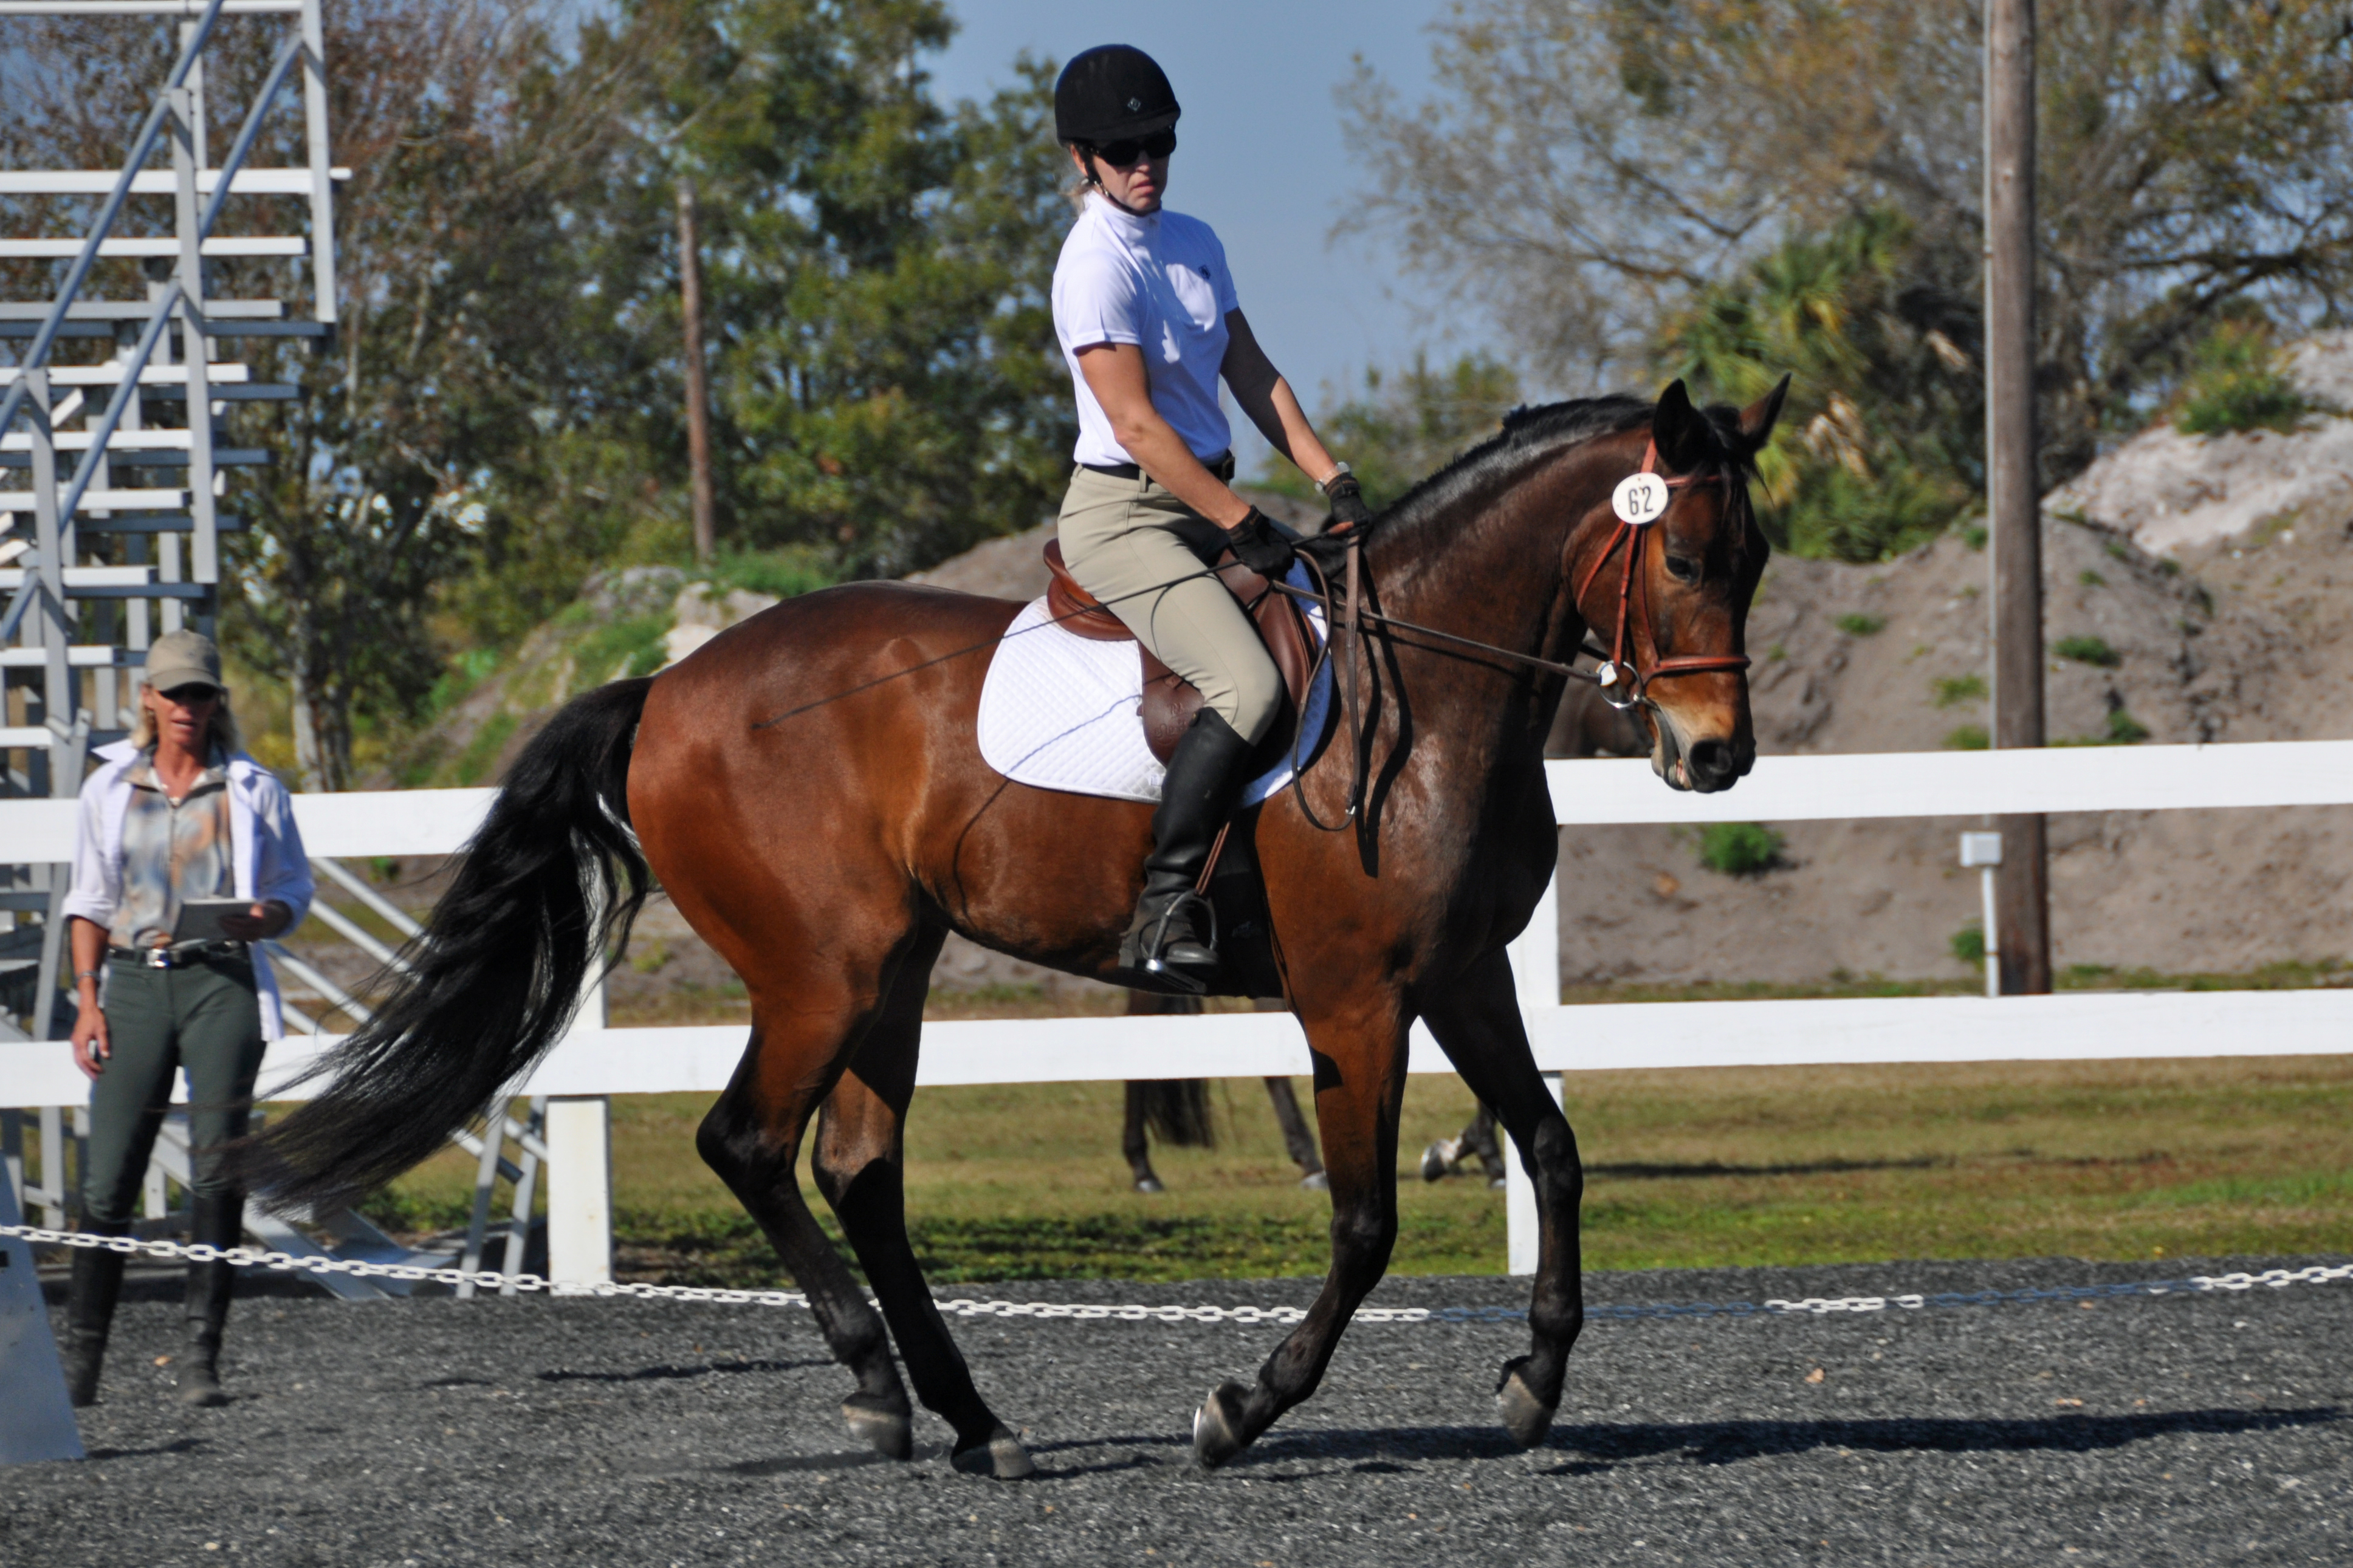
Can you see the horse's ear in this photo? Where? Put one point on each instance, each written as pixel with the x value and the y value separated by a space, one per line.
pixel 1757 419
pixel 1679 430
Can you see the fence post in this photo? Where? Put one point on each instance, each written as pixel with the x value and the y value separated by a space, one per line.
pixel 579 1194
pixel 1520 1200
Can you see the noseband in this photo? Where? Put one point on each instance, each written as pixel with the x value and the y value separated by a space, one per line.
pixel 1624 682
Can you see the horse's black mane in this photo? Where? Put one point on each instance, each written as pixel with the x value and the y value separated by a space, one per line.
pixel 1530 433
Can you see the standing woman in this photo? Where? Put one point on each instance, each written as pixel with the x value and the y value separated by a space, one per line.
pixel 178 812
pixel 1147 316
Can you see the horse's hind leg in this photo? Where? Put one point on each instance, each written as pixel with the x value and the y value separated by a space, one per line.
pixel 1478 1023
pixel 752 1137
pixel 860 1167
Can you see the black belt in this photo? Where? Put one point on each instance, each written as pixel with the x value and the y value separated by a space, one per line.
pixel 1223 465
pixel 178 957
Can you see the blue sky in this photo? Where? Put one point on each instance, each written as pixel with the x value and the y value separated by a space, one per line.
pixel 1260 156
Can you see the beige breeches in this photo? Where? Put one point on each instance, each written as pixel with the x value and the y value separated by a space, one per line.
pixel 1125 539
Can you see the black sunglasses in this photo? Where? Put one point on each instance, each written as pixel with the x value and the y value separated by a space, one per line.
pixel 1128 153
pixel 193 692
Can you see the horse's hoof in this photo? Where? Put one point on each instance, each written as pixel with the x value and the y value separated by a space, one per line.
pixel 1000 1455
pixel 888 1432
pixel 1526 1418
pixel 1497 1184
pixel 1316 1182
pixel 1217 1425
pixel 1149 1184
pixel 1436 1158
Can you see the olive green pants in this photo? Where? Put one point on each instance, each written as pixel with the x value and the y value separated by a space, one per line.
pixel 1121 538
pixel 204 1018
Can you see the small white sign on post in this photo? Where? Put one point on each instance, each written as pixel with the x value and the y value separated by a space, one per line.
pixel 36 1421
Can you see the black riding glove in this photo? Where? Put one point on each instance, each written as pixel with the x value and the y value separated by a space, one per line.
pixel 1258 546
pixel 1349 508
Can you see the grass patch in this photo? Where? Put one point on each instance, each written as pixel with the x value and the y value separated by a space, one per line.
pixel 2123 729
pixel 482 753
pixel 1968 944
pixel 1693 1169
pixel 2238 382
pixel 1739 848
pixel 1855 624
pixel 2088 578
pixel 1967 738
pixel 2088 650
pixel 1952 690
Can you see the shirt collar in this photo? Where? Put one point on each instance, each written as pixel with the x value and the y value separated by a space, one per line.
pixel 1128 225
pixel 142 771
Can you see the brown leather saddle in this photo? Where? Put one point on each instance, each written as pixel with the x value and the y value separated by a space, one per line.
pixel 1170 700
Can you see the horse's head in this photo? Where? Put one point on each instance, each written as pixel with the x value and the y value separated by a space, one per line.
pixel 1669 595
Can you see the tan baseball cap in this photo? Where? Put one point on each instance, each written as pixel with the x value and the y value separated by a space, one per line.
pixel 183 658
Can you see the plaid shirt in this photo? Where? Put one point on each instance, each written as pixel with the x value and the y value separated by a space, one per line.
pixel 171 851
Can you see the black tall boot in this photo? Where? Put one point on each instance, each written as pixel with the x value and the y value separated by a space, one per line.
pixel 1170 944
pixel 218 1221
pixel 97 1284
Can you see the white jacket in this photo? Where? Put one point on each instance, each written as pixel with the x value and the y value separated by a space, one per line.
pixel 264 844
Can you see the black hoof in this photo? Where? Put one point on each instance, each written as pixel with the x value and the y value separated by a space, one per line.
pixel 206 1396
pixel 1526 1418
pixel 1217 1425
pixel 1150 1185
pixel 888 1432
pixel 1000 1455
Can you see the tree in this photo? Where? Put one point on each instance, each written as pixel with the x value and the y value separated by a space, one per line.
pixel 876 277
pixel 1589 166
pixel 1406 424
pixel 1882 334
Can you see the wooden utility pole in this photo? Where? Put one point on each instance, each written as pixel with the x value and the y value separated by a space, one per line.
pixel 2012 492
pixel 698 396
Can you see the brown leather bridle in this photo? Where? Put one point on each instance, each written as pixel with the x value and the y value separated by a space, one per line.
pixel 1623 681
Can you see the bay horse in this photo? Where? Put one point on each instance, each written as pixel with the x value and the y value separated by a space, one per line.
pixel 810 791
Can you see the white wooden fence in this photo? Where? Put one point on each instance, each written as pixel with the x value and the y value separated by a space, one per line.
pixel 595 1061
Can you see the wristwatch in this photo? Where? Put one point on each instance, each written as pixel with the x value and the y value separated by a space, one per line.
pixel 1323 487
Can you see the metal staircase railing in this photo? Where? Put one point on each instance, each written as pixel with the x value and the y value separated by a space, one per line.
pixel 115 461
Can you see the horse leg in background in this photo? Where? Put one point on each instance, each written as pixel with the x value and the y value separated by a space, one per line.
pixel 1297 1139
pixel 1479 1139
pixel 859 1160
pixel 1133 1143
pixel 752 1139
pixel 1177 1108
pixel 1478 1023
pixel 1360 1057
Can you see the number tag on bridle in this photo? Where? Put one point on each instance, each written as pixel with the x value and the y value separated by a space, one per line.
pixel 1639 499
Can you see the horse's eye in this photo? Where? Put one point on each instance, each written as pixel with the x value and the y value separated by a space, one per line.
pixel 1682 568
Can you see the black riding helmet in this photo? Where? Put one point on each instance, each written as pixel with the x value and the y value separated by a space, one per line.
pixel 1112 93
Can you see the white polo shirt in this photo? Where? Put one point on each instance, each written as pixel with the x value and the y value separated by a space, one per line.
pixel 1161 283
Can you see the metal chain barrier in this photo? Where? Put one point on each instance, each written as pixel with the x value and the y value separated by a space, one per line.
pixel 965 1307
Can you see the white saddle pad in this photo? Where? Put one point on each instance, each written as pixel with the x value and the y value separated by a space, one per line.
pixel 1060 711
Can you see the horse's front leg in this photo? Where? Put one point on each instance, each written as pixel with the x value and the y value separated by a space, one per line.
pixel 1477 1020
pixel 1360 1054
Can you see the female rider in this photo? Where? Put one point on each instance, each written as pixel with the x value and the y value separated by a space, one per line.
pixel 1148 319
pixel 178 812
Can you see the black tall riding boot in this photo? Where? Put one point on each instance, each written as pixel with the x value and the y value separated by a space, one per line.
pixel 218 1221
pixel 1171 943
pixel 96 1285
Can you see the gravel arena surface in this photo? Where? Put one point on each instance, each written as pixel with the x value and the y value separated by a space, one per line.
pixel 2207 1429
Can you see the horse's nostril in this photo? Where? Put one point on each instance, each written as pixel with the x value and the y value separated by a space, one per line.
pixel 1711 759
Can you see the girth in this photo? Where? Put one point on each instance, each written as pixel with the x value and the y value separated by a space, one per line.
pixel 1169 699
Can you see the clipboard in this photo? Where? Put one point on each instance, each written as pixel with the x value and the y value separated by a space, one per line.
pixel 200 918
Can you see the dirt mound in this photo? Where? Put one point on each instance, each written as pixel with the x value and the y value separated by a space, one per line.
pixel 2240 640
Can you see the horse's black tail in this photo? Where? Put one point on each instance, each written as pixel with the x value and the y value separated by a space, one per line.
pixel 1178 1111
pixel 547 890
